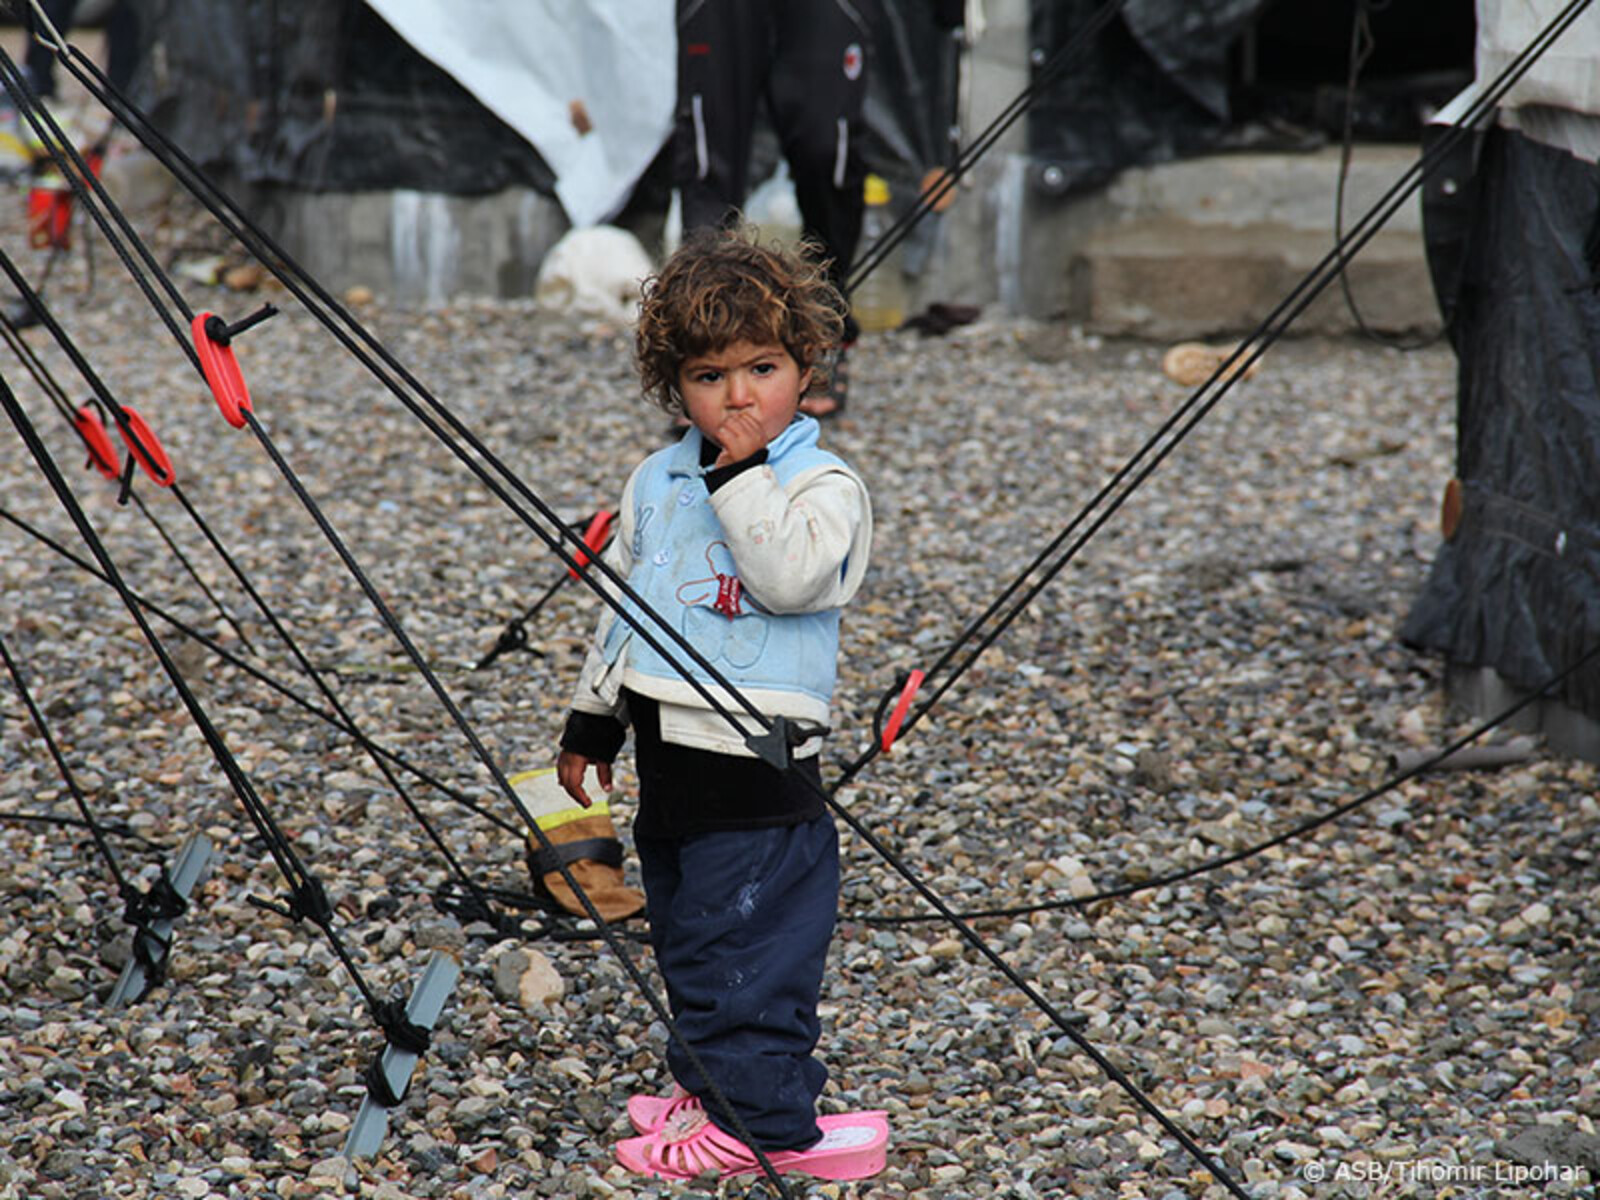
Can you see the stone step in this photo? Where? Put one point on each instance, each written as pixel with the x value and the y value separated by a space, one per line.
pixel 1210 246
pixel 1297 190
pixel 1170 278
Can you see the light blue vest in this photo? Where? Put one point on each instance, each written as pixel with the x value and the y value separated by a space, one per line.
pixel 682 568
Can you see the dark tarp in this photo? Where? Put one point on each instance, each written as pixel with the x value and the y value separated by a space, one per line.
pixel 1518 261
pixel 1412 59
pixel 1170 79
pixel 1153 86
pixel 911 94
pixel 245 88
pixel 320 95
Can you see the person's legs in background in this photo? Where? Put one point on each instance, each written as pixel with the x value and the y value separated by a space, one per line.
pixel 724 47
pixel 40 60
pixel 808 58
pixel 816 94
pixel 122 44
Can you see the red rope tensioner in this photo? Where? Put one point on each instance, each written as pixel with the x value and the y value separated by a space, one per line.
pixel 897 718
pixel 594 537
pixel 213 338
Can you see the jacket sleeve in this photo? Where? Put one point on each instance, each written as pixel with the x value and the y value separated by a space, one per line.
pixel 596 693
pixel 800 549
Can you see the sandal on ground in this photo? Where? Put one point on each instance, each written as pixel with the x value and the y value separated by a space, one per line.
pixel 595 863
pixel 832 402
pixel 853 1146
pixel 648 1112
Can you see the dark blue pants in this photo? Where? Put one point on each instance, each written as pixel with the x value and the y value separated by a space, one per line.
pixel 740 922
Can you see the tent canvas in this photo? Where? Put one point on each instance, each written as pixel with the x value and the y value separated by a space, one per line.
pixel 591 85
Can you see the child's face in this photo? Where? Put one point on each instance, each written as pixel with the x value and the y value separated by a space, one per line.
pixel 744 395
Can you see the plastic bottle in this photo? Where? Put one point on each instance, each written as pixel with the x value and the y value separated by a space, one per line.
pixel 879 301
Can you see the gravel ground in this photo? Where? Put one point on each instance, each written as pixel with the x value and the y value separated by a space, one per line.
pixel 1403 1002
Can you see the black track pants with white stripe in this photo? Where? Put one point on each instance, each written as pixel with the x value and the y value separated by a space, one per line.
pixel 807 59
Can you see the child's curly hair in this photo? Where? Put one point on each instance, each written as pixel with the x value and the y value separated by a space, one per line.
pixel 723 286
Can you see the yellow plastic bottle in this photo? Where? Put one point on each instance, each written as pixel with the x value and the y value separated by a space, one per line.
pixel 879 301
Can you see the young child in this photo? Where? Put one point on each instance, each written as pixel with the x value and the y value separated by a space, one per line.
pixel 748 539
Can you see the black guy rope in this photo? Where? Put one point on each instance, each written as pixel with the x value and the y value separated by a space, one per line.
pixel 1293 833
pixel 1131 475
pixel 1123 1081
pixel 283 689
pixel 515 634
pixel 183 559
pixel 115 828
pixel 1362 45
pixel 307 899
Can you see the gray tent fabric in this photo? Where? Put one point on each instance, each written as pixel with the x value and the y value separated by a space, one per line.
pixel 1191 42
pixel 1152 88
pixel 320 95
pixel 1518 586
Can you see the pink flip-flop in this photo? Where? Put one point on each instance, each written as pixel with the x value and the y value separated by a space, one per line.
pixel 647 1112
pixel 854 1145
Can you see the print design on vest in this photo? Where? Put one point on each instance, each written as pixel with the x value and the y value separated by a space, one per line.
pixel 722 590
pixel 714 617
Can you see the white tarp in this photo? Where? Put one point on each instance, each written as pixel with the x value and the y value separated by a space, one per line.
pixel 535 63
pixel 1566 76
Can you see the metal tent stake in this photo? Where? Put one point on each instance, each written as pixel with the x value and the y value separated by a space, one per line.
pixel 193 860
pixel 427 1001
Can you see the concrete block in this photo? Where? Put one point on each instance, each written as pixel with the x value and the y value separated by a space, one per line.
pixel 1295 191
pixel 1209 246
pixel 420 247
pixel 1169 278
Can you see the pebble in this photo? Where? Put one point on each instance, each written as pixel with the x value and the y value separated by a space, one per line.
pixel 1216 665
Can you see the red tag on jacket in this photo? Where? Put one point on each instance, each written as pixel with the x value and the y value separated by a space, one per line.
pixel 729 591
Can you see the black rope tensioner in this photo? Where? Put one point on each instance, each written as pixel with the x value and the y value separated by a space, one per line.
pixel 142 909
pixel 401 1032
